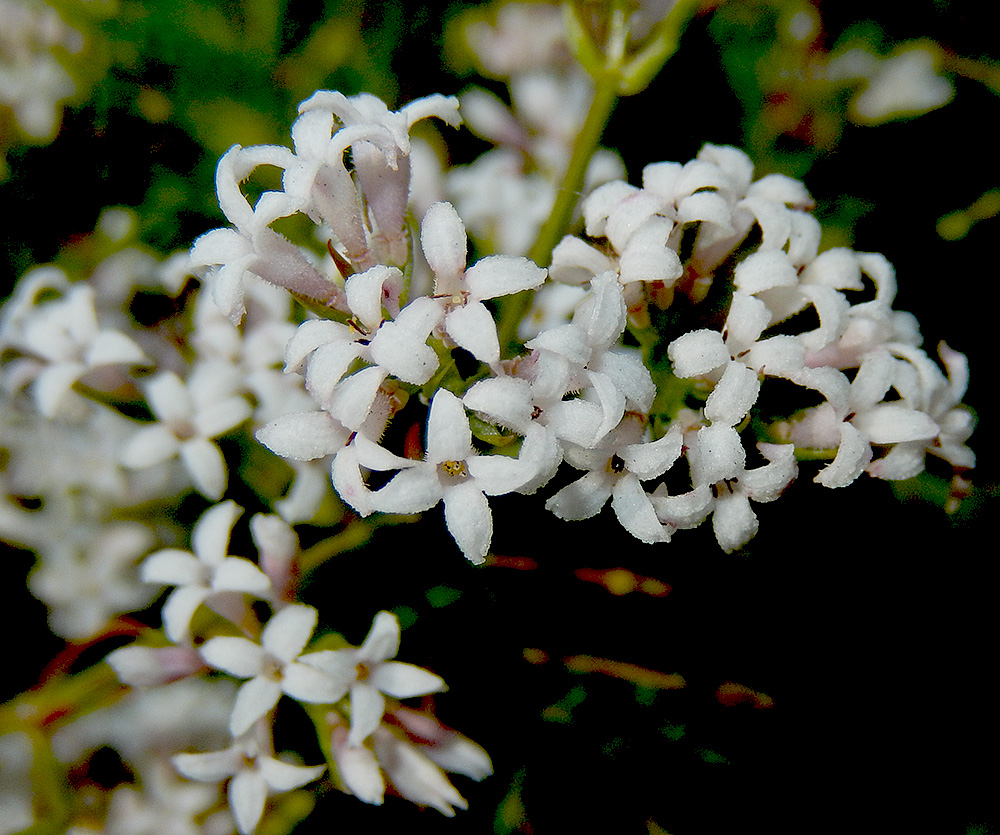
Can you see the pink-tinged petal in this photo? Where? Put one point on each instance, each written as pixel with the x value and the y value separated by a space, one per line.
pixel 406 680
pixel 502 275
pixel 358 768
pixel 213 767
pixel 469 520
pixel 415 776
pixel 307 683
pixel 205 464
pixel 635 512
pixel 472 328
pixel 152 444
pixel 303 436
pixel 247 796
pixel 179 608
pixel 733 521
pixel 141 666
pixel 367 708
pixel 382 641
pixel 410 491
pixel 449 437
pixel 697 352
pixel 902 461
pixel 173 567
pixel 283 777
pixel 254 699
pixel 210 538
pixel 582 498
pixel 288 631
pixel 853 456
pixel 445 246
pixel 239 657
pixel 239 574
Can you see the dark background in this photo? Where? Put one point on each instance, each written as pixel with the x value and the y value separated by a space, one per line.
pixel 868 618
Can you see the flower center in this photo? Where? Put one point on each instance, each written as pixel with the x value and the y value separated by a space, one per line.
pixel 454 469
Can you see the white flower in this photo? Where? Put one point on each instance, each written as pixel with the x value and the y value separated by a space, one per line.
pixel 253 246
pixel 255 774
pixel 206 576
pixel 188 416
pixel 615 468
pixel 273 666
pixel 368 673
pixel 453 472
pixel 467 320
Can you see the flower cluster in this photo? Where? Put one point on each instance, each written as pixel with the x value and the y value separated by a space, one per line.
pixel 680 350
pixel 371 738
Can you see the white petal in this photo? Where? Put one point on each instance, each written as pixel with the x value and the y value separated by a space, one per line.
pixel 152 444
pixel 253 700
pixel 502 275
pixel 237 656
pixel 205 464
pixel 247 796
pixel 697 352
pixel 172 566
pixel 307 683
pixel 364 293
pixel 178 610
pixel 212 767
pixel 358 767
pixel 469 520
pixel 443 240
pixel 283 777
pixel 367 707
pixel 853 456
pixel 582 498
pixel 733 396
pixel 410 491
pixel 382 641
pixel 405 680
pixel 733 521
pixel 472 328
pixel 210 538
pixel 239 574
pixel 635 511
pixel 303 436
pixel 449 437
pixel 288 631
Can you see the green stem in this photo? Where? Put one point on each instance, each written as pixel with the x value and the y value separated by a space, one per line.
pixel 514 308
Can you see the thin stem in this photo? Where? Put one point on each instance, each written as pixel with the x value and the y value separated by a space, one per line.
pixel 514 308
